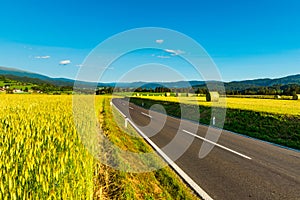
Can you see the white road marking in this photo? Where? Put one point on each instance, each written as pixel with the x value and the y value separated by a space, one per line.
pixel 119 110
pixel 123 104
pixel 146 115
pixel 131 108
pixel 185 176
pixel 218 145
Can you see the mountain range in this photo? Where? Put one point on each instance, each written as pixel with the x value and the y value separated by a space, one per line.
pixel 25 76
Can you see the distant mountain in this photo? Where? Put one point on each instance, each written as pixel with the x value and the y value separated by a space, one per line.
pixel 256 83
pixel 20 75
pixel 149 85
pixel 293 79
pixel 17 74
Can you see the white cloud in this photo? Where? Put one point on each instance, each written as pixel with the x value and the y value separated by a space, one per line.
pixel 65 62
pixel 174 52
pixel 42 57
pixel 169 50
pixel 160 41
pixel 26 47
pixel 163 57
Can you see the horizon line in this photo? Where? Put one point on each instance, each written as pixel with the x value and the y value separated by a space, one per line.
pixel 134 81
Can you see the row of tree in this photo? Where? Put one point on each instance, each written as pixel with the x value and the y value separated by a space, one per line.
pixel 288 90
pixel 49 88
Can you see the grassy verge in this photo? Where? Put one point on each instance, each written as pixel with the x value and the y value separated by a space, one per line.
pixel 158 184
pixel 281 129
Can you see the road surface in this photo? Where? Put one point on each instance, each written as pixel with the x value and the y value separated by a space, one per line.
pixel 238 167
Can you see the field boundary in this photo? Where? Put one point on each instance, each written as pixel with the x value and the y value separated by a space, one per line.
pixel 177 169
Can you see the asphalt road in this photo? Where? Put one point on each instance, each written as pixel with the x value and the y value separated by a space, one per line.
pixel 237 167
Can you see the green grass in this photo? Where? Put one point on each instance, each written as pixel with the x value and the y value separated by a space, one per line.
pixel 283 129
pixel 158 184
pixel 16 85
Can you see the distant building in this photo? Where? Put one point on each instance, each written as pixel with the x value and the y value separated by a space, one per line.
pixel 17 91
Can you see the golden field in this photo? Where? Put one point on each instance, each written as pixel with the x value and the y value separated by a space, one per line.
pixel 288 107
pixel 42 156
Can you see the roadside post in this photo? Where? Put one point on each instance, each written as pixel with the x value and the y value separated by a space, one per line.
pixel 126 122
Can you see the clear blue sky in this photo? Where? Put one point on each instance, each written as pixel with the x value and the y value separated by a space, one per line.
pixel 246 39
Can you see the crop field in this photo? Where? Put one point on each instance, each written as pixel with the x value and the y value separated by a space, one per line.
pixel 42 156
pixel 276 121
pixel 287 107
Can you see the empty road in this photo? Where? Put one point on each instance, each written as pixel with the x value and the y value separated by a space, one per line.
pixel 236 168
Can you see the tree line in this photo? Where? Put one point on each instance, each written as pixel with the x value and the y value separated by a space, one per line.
pixel 288 90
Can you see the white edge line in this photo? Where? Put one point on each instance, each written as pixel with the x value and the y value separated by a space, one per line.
pixel 218 145
pixel 146 114
pixel 118 110
pixel 239 134
pixel 186 177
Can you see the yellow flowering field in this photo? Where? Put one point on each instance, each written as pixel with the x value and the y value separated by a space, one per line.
pixel 41 156
pixel 289 107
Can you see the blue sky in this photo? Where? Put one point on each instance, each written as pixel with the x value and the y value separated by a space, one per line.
pixel 246 39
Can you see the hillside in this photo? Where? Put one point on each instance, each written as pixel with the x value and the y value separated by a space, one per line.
pixel 293 79
pixel 20 75
pixel 256 84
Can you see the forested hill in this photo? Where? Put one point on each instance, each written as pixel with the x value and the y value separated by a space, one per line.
pixel 267 85
pixel 24 76
pixel 267 82
pixel 288 85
